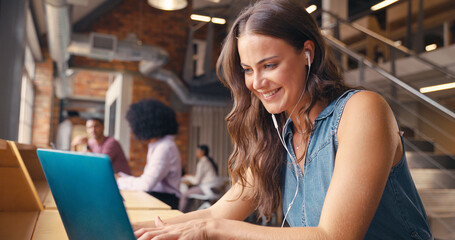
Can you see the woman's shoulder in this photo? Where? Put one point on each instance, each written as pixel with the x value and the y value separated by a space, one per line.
pixel 165 144
pixel 367 110
pixel 166 141
pixel 368 101
pixel 354 102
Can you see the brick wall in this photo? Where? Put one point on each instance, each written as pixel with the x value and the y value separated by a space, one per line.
pixel 42 103
pixel 90 84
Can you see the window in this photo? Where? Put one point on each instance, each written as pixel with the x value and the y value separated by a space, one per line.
pixel 26 110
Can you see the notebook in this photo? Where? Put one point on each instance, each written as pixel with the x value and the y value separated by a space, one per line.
pixel 86 195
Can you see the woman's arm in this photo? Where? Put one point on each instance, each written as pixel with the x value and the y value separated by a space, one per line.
pixel 223 220
pixel 369 145
pixel 223 208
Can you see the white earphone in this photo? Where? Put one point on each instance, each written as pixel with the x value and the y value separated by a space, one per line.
pixel 308 57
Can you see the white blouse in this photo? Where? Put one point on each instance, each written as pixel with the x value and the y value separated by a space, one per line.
pixel 205 172
pixel 162 172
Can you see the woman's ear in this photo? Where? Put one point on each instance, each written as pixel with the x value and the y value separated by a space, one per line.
pixel 308 48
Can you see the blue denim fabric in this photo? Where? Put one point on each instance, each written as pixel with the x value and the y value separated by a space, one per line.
pixel 400 214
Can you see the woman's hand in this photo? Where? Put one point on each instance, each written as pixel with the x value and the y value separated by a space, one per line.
pixel 144 224
pixel 194 229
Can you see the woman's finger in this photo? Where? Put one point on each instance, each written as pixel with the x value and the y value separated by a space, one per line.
pixel 167 236
pixel 142 231
pixel 159 222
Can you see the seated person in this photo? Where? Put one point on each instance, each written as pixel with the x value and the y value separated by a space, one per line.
pixel 65 131
pixel 98 143
pixel 154 122
pixel 206 172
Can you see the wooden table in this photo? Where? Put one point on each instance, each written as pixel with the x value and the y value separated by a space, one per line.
pixel 133 200
pixel 50 225
pixel 17 225
pixel 47 224
pixel 143 201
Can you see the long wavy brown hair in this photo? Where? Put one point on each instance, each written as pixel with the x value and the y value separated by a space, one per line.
pixel 256 143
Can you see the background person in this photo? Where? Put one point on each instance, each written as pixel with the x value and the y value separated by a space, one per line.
pixel 98 143
pixel 65 131
pixel 154 122
pixel 339 168
pixel 206 172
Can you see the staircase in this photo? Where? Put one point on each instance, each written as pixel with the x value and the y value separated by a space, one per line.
pixel 428 122
pixel 434 177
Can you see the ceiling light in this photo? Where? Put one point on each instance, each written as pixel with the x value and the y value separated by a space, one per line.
pixel 168 5
pixel 382 4
pixel 218 20
pixel 431 47
pixel 200 18
pixel 311 8
pixel 437 87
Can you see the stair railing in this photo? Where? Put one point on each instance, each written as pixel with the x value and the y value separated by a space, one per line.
pixel 389 76
pixel 391 44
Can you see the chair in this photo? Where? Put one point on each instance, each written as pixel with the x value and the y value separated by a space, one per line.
pixel 213 191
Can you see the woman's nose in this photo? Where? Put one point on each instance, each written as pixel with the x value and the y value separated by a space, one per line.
pixel 258 81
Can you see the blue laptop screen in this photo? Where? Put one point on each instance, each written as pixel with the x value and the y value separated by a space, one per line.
pixel 86 195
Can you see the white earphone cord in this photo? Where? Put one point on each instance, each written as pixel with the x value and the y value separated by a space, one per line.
pixel 284 144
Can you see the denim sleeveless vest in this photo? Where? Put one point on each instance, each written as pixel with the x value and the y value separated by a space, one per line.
pixel 400 214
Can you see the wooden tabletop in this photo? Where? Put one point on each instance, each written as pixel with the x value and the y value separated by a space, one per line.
pixel 142 200
pixel 50 225
pixel 17 225
pixel 133 200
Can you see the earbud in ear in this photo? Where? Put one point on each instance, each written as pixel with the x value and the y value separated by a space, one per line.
pixel 308 57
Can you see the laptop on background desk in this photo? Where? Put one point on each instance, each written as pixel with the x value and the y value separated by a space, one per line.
pixel 86 195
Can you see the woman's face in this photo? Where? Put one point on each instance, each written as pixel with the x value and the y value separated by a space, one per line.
pixel 199 153
pixel 274 71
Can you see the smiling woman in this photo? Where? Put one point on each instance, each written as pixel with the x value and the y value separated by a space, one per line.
pixel 336 162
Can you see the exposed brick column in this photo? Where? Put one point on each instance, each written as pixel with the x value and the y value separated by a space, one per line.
pixel 42 103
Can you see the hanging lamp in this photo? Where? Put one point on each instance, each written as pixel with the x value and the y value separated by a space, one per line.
pixel 168 5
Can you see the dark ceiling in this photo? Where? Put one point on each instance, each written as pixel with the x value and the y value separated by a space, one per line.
pixel 228 9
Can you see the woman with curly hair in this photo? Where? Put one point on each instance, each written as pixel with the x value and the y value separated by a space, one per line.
pixel 332 156
pixel 152 121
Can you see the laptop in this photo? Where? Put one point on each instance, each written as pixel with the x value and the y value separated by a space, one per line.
pixel 86 195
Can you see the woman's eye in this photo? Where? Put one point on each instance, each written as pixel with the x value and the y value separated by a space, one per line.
pixel 246 70
pixel 270 66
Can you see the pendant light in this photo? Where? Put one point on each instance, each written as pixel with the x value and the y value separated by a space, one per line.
pixel 168 5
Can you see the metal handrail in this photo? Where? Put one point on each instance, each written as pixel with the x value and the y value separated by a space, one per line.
pixel 341 47
pixel 391 44
pixel 424 120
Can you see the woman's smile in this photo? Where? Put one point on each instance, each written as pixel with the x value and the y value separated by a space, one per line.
pixel 266 95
